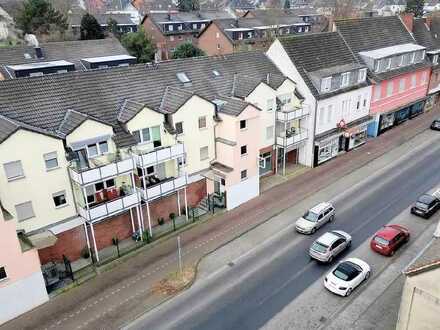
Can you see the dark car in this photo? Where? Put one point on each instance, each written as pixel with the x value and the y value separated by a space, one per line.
pixel 436 125
pixel 387 240
pixel 426 206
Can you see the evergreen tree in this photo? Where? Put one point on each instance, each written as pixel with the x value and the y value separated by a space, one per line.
pixel 188 5
pixel 90 28
pixel 187 49
pixel 287 4
pixel 113 27
pixel 139 45
pixel 39 17
pixel 415 7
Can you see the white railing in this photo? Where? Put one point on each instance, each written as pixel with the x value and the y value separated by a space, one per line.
pixel 164 188
pixel 103 172
pixel 288 112
pixel 289 140
pixel 159 155
pixel 111 207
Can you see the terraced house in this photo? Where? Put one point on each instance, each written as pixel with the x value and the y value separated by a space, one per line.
pixel 398 67
pixel 88 156
pixel 335 87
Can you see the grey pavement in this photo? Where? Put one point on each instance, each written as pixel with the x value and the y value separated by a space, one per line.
pixel 255 285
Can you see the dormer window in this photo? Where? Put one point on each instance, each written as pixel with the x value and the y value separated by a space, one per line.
pixel 362 75
pixel 388 64
pixel 401 60
pixel 413 58
pixel 435 59
pixel 183 78
pixel 423 55
pixel 194 26
pixel 345 79
pixel 326 84
pixel 170 27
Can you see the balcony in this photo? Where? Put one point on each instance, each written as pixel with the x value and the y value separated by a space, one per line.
pixel 292 137
pixel 100 168
pixel 112 206
pixel 160 188
pixel 289 112
pixel 158 155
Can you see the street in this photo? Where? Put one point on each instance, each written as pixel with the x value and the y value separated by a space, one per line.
pixel 253 290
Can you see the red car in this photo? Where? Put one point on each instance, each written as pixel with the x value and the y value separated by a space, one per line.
pixel 387 240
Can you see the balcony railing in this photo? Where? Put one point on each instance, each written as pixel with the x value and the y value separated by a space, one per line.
pixel 288 112
pixel 290 138
pixel 111 207
pixel 101 168
pixel 158 155
pixel 163 188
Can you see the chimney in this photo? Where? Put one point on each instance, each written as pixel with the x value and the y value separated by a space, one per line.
pixel 408 19
pixel 428 21
pixel 38 52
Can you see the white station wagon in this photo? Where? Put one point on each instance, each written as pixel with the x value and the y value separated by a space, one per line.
pixel 316 217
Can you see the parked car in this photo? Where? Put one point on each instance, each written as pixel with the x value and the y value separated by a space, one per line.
pixel 315 218
pixel 387 240
pixel 426 205
pixel 329 245
pixel 346 276
pixel 436 125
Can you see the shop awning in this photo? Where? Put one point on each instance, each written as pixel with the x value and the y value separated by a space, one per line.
pixel 42 240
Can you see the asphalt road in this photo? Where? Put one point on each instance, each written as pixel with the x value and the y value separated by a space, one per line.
pixel 254 290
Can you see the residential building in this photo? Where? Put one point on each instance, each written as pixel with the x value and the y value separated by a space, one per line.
pixel 171 29
pixel 60 57
pixel 426 31
pixel 333 82
pixel 390 7
pixel 420 301
pixel 112 151
pixel 397 65
pixel 20 272
pixel 431 6
pixel 307 14
pixel 125 22
pixel 227 36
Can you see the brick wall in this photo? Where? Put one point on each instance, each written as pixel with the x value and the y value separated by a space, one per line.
pixel 70 243
pixel 434 81
pixel 119 226
pixel 211 45
pixel 164 206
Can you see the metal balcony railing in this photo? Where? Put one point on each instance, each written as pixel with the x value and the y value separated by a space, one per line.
pixel 158 155
pixel 111 207
pixel 165 187
pixel 290 138
pixel 101 168
pixel 288 112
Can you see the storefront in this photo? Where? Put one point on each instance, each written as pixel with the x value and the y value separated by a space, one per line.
pixel 416 109
pixel 397 117
pixel 266 163
pixel 327 149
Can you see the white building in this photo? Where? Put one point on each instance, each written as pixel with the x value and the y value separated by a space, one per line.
pixel 334 84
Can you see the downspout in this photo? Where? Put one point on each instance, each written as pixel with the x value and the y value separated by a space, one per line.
pixel 314 132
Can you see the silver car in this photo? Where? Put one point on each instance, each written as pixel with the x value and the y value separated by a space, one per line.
pixel 329 245
pixel 314 218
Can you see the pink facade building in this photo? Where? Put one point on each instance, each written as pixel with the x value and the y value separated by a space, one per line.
pixel 22 286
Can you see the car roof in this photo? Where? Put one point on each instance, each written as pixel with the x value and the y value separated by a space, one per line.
pixel 426 198
pixel 328 238
pixel 388 232
pixel 321 206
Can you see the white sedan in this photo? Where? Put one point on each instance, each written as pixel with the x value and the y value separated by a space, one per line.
pixel 346 276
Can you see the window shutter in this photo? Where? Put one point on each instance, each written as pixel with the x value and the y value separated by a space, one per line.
pixel 13 169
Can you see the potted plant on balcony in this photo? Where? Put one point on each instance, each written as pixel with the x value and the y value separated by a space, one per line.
pixel 115 241
pixel 85 252
pixel 160 221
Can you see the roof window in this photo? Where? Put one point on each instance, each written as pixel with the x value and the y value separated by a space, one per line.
pixel 216 73
pixel 27 56
pixel 183 78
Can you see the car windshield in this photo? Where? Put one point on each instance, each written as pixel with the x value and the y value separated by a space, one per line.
pixel 319 247
pixel 421 206
pixel 347 271
pixel 381 241
pixel 310 216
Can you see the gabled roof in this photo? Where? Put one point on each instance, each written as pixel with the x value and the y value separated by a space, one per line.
pixel 244 85
pixel 312 53
pixel 173 99
pixel 428 37
pixel 366 34
pixel 128 110
pixel 43 101
pixel 120 18
pixel 72 120
pixel 72 51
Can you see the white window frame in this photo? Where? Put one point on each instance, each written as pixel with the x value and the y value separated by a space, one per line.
pixel 46 159
pixel 329 113
pixel 378 92
pixel 388 66
pixel 390 88
pixel 321 116
pixel 202 153
pixel 19 219
pixel 326 84
pixel 6 274
pixel 241 150
pixel 362 75
pixel 217 35
pixel 57 194
pixel 402 85
pixel 345 81
pixel 245 125
pixel 413 57
pixel 270 104
pixel 203 119
pixel 98 148
pixel 424 78
pixel 435 59
pixel 414 81
pixel 181 125
pixel 401 60
pixel 170 27
pixel 241 175
pixel 12 178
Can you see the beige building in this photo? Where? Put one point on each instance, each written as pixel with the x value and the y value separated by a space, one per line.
pixel 420 304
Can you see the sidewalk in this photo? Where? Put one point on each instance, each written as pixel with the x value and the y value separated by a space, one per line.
pixel 114 297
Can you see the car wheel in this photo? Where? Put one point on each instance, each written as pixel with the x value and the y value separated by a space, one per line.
pixel 330 259
pixel 349 291
pixel 367 276
pixel 331 218
pixel 407 239
pixel 313 230
pixel 348 244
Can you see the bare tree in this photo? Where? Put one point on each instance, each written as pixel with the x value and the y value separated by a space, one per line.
pixel 344 9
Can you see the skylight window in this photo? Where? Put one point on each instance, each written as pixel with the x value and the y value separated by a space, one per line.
pixel 183 78
pixel 216 73
pixel 27 56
